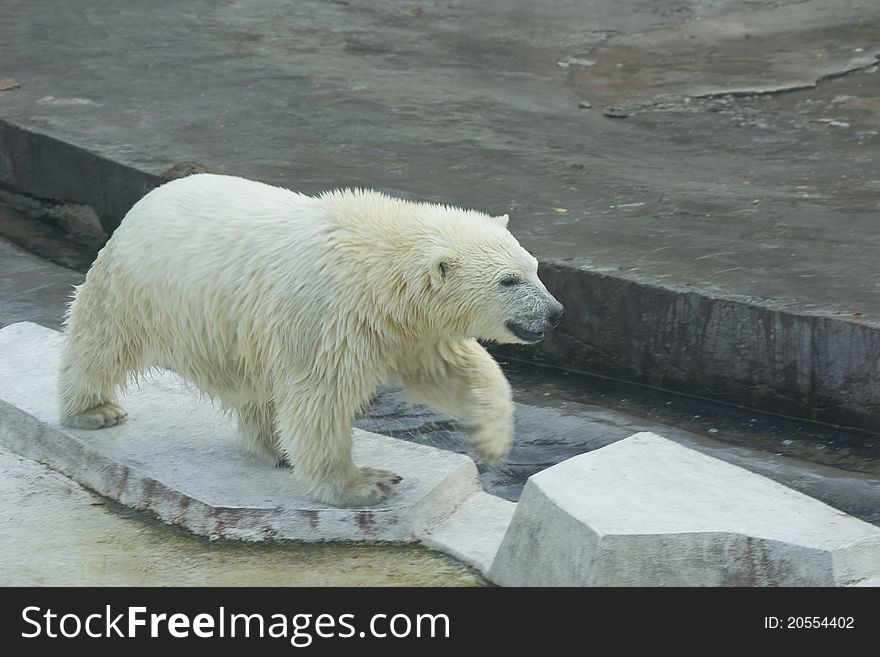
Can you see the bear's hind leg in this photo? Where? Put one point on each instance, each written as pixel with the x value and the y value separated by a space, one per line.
pixel 100 354
pixel 317 438
pixel 87 387
pixel 256 424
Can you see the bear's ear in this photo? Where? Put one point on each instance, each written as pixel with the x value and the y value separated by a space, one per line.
pixel 502 219
pixel 440 267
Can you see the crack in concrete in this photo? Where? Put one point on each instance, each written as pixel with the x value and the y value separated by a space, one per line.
pixel 782 89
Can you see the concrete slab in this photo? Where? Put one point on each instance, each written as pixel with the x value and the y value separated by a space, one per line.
pixel 737 53
pixel 180 459
pixel 56 533
pixel 648 512
pixel 872 582
pixel 474 531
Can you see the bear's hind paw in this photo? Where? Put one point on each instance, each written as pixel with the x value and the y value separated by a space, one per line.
pixel 105 415
pixel 383 479
pixel 370 486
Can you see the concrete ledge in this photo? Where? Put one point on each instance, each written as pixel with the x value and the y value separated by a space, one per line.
pixel 43 166
pixel 474 531
pixel 180 459
pixel 648 512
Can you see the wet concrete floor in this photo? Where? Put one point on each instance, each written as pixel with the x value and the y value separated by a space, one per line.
pixel 728 146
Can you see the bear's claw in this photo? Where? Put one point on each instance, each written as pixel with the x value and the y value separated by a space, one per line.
pixel 369 486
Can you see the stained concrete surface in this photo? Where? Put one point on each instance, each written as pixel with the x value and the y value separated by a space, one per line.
pixel 55 533
pixel 751 50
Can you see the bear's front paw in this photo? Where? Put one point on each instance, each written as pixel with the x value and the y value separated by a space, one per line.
pixel 492 443
pixel 368 486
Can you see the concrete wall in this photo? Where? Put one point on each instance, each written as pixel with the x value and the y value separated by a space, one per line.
pixel 40 165
pixel 738 351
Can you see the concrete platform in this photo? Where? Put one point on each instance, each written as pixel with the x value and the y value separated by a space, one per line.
pixel 474 532
pixel 53 532
pixel 180 459
pixel 648 512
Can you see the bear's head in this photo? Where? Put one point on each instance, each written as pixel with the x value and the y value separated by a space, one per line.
pixel 487 284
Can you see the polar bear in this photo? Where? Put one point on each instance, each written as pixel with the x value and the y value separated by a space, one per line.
pixel 291 309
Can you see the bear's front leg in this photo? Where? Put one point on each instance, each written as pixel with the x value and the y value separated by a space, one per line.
pixel 314 432
pixel 462 380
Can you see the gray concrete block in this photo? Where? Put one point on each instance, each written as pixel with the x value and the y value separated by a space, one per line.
pixel 473 532
pixel 873 581
pixel 648 512
pixel 179 458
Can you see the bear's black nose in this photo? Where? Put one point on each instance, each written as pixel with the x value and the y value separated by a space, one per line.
pixel 555 315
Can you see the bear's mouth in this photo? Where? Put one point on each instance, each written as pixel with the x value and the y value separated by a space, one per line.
pixel 523 333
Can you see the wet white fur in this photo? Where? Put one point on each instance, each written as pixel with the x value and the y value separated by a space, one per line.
pixel 290 310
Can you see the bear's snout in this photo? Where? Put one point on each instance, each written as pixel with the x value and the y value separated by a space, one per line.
pixel 555 313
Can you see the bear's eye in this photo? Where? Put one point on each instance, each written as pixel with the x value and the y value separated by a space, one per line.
pixel 509 281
